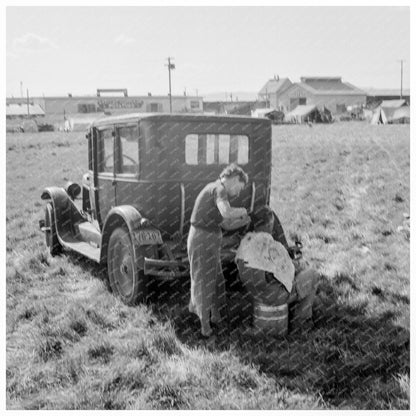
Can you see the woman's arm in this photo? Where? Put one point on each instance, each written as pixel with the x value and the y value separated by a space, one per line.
pixel 230 224
pixel 229 212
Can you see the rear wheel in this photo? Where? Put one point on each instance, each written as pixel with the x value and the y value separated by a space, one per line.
pixel 51 236
pixel 126 280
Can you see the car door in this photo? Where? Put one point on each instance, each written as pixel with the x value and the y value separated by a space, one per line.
pixel 105 171
pixel 127 172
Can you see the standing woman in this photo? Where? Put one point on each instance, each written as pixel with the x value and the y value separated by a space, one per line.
pixel 211 211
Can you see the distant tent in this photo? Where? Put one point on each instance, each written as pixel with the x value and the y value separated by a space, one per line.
pixel 30 126
pixel 401 116
pixel 367 114
pixel 309 113
pixel 390 106
pixel 261 112
pixel 276 116
pixel 393 103
pixel 379 116
pixel 325 116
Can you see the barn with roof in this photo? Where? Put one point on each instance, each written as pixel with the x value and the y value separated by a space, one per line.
pixel 272 89
pixel 329 92
pixel 376 96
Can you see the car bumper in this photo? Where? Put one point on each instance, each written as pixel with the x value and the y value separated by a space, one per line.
pixel 166 269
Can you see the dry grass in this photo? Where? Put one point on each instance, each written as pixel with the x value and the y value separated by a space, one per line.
pixel 341 188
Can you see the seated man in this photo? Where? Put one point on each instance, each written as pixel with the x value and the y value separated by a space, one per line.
pixel 272 277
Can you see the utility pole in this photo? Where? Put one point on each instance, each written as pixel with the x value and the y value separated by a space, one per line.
pixel 401 78
pixel 27 96
pixel 21 89
pixel 170 67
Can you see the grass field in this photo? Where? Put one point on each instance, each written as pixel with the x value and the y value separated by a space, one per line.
pixel 342 189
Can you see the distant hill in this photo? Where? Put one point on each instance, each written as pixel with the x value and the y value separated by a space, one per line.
pixel 237 95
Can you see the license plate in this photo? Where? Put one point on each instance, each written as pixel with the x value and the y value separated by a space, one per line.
pixel 144 237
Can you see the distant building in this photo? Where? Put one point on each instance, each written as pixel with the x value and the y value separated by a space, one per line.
pixel 72 105
pixel 376 96
pixel 272 90
pixel 23 110
pixel 329 92
pixel 230 107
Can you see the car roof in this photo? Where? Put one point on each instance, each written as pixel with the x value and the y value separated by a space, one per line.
pixel 123 118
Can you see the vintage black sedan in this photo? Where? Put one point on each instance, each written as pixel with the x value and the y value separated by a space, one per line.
pixel 132 211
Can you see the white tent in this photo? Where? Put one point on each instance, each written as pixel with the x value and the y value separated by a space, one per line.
pixel 393 103
pixel 391 106
pixel 299 114
pixel 367 114
pixel 379 117
pixel 262 112
pixel 401 116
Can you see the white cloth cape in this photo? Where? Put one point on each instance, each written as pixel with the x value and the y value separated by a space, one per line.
pixel 261 251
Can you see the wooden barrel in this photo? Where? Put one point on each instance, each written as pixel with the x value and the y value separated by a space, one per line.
pixel 271 319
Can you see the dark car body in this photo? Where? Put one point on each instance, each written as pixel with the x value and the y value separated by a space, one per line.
pixel 144 174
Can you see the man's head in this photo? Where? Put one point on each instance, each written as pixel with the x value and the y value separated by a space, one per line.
pixel 263 219
pixel 234 179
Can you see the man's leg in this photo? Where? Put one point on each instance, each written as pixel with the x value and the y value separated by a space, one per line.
pixel 302 297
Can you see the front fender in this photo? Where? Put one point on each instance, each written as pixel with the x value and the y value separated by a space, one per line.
pixel 127 216
pixel 64 209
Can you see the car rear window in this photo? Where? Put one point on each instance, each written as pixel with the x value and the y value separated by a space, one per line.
pixel 216 149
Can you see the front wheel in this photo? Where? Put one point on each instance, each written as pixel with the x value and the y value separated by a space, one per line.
pixel 51 236
pixel 126 280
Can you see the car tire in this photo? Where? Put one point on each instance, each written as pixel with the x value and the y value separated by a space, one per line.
pixel 126 279
pixel 51 235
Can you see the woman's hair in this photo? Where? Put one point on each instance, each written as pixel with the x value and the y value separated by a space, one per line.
pixel 234 170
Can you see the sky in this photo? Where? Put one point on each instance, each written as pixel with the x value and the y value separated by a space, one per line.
pixel 61 50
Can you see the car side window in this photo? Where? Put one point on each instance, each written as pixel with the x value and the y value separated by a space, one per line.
pixel 220 149
pixel 106 150
pixel 191 149
pixel 128 149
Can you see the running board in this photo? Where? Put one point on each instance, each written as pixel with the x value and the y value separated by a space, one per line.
pixel 89 233
pixel 84 248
